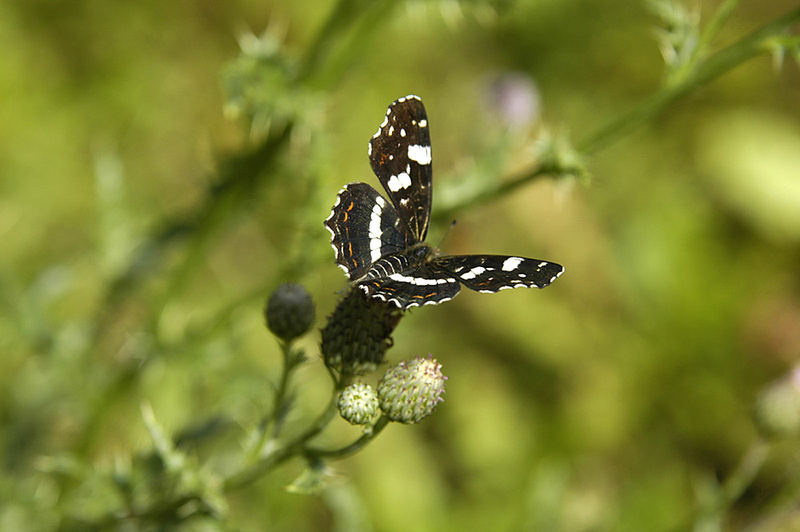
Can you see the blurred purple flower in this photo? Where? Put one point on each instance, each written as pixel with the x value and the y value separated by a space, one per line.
pixel 514 99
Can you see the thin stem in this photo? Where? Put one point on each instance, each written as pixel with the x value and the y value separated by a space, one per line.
pixel 744 474
pixel 736 483
pixel 704 72
pixel 345 15
pixel 721 15
pixel 237 180
pixel 782 506
pixel 255 471
pixel 278 406
pixel 354 447
pixel 491 192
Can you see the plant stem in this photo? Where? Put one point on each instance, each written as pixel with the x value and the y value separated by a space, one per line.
pixel 705 71
pixel 253 472
pixel 353 447
pixel 273 419
pixel 241 174
pixel 345 15
pixel 714 508
pixel 745 472
pixel 722 14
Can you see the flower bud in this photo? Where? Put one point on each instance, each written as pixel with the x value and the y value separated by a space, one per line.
pixel 410 391
pixel 777 409
pixel 289 312
pixel 358 333
pixel 358 403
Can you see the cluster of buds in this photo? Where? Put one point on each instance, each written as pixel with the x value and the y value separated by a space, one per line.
pixel 354 342
pixel 408 393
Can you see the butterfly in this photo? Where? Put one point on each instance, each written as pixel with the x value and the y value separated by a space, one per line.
pixel 380 244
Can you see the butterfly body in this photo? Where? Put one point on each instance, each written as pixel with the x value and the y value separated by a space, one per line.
pixel 380 244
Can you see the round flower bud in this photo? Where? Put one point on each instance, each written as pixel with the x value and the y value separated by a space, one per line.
pixel 358 404
pixel 289 312
pixel 410 391
pixel 777 409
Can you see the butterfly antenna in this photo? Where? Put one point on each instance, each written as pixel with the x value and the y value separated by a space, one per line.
pixel 447 232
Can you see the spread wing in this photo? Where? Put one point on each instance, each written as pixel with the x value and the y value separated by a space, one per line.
pixel 492 273
pixel 400 155
pixel 364 227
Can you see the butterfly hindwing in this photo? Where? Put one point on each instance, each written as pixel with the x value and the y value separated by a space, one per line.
pixel 492 273
pixel 364 227
pixel 423 284
pixel 400 155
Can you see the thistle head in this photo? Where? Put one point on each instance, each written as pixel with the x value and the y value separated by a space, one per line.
pixel 410 391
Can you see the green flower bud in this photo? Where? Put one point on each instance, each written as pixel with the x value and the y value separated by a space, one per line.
pixel 358 333
pixel 410 391
pixel 358 404
pixel 777 408
pixel 289 312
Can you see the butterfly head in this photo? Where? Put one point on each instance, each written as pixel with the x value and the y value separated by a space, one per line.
pixel 421 252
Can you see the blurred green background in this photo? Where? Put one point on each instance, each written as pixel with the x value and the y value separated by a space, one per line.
pixel 165 165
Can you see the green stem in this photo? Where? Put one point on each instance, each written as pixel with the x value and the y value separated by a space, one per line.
pixel 278 406
pixel 354 447
pixel 704 72
pixel 778 511
pixel 737 482
pixel 253 472
pixel 345 16
pixel 722 14
pixel 238 177
pixel 744 474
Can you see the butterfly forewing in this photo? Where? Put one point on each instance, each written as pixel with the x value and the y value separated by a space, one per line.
pixel 364 227
pixel 492 273
pixel 400 155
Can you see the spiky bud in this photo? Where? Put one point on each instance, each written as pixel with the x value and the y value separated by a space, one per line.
pixel 289 312
pixel 410 391
pixel 358 333
pixel 777 408
pixel 358 403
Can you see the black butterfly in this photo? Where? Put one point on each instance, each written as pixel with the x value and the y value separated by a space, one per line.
pixel 380 245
